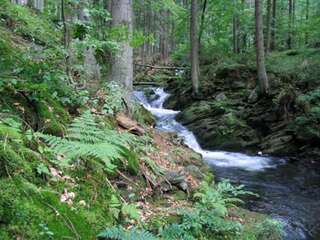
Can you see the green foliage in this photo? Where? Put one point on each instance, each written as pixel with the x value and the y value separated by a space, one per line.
pixel 176 232
pixel 130 211
pixel 114 100
pixel 208 217
pixel 28 24
pixel 306 124
pixel 223 193
pixel 84 139
pixel 10 128
pixel 118 233
pixel 269 229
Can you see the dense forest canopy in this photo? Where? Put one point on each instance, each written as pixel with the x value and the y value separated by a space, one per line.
pixel 120 119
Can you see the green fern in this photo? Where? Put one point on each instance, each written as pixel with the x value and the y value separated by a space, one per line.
pixel 119 233
pixel 175 232
pixel 221 196
pixel 84 139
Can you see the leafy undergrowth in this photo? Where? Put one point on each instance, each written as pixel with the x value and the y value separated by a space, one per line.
pixel 101 176
pixel 28 24
pixel 75 165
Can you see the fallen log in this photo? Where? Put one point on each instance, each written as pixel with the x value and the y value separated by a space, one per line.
pixel 146 84
pixel 129 124
pixel 160 67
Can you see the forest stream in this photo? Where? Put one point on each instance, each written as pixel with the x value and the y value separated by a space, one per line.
pixel 289 192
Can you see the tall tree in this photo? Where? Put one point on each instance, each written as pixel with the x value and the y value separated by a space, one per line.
pixel 290 21
pixel 194 47
pixel 269 25
pixel 203 14
pixel 236 29
pixel 307 21
pixel 260 58
pixel 122 67
pixel 273 25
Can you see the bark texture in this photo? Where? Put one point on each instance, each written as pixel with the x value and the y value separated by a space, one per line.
pixel 194 47
pixel 269 25
pixel 273 25
pixel 122 67
pixel 262 74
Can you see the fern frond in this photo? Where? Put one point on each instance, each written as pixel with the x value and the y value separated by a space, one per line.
pixel 118 233
pixel 85 139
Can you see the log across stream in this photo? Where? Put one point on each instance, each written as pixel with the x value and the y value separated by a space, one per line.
pixel 289 192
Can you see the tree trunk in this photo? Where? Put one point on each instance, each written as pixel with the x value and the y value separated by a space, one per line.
pixel 203 14
pixel 261 69
pixel 273 25
pixel 307 21
pixel 289 40
pixel 194 47
pixel 122 67
pixel 235 29
pixel 36 4
pixel 269 25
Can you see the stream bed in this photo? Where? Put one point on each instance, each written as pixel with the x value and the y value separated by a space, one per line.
pixel 289 192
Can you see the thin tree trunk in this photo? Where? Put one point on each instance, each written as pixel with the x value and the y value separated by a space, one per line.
pixel 234 33
pixel 307 21
pixel 261 69
pixel 194 47
pixel 122 67
pixel 289 40
pixel 269 25
pixel 243 34
pixel 235 30
pixel 273 25
pixel 203 14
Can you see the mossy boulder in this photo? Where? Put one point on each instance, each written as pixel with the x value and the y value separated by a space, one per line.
pixel 217 125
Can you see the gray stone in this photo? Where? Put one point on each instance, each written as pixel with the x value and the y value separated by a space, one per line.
pixel 194 171
pixel 253 96
pixel 221 97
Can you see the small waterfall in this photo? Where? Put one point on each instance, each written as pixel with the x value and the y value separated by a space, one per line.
pixel 283 187
pixel 166 122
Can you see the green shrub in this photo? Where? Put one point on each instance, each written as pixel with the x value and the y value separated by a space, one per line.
pixel 269 229
pixel 118 233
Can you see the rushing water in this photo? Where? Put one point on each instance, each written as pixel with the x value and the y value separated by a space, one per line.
pixel 289 192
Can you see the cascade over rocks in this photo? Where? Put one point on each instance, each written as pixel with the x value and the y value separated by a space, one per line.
pixel 230 116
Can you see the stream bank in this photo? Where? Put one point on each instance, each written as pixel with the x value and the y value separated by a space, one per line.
pixel 228 115
pixel 288 191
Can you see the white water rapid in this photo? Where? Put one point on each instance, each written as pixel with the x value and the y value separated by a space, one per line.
pixel 166 122
pixel 289 192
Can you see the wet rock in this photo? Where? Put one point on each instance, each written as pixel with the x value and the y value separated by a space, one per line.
pixel 278 143
pixel 194 171
pixel 221 97
pixel 175 177
pixel 253 97
pixel 178 179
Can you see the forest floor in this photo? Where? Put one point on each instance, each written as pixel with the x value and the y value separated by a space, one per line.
pixel 45 195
